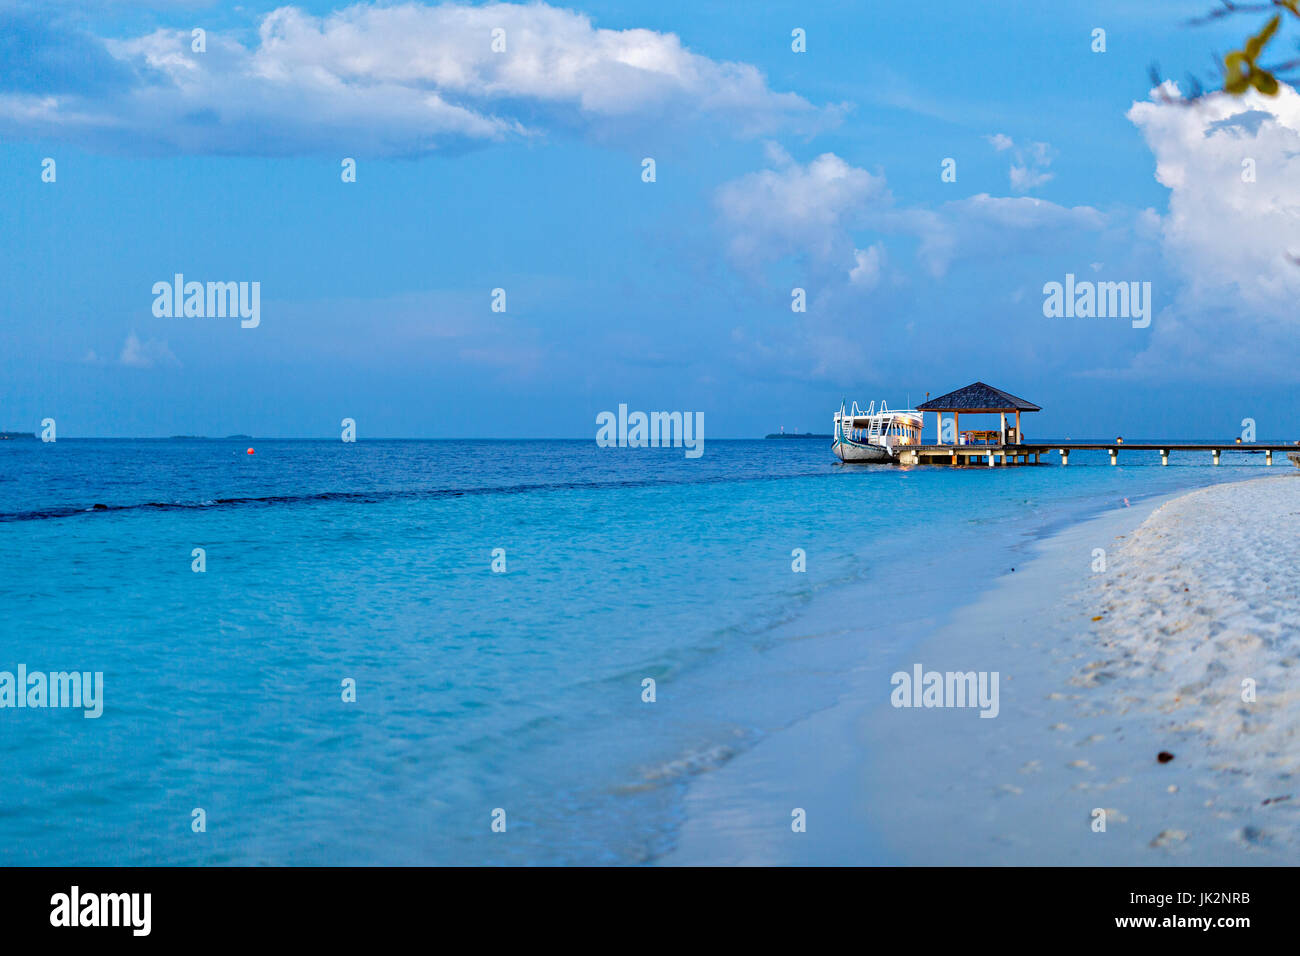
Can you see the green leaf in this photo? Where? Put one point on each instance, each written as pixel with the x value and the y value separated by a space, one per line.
pixel 1265 82
pixel 1256 43
pixel 1236 80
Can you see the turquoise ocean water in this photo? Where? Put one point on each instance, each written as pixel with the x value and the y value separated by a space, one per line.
pixel 475 690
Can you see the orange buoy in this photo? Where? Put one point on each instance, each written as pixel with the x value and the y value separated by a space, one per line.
pixel 250 451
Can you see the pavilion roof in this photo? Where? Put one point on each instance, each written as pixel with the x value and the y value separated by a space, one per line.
pixel 978 397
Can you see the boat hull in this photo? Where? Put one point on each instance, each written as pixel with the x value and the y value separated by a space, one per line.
pixel 853 453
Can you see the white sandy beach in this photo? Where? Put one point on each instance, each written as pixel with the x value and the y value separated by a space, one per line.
pixel 1199 594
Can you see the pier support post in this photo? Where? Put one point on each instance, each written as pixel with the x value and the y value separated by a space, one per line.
pixel 1164 456
pixel 1268 457
pixel 1216 455
pixel 1114 456
pixel 990 459
pixel 1065 456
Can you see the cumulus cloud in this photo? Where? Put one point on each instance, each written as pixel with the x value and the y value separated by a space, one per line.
pixel 146 354
pixel 1232 167
pixel 1000 141
pixel 136 353
pixel 868 266
pixel 859 252
pixel 1025 178
pixel 386 80
pixel 811 212
pixel 1029 162
pixel 1231 235
pixel 801 210
pixel 984 227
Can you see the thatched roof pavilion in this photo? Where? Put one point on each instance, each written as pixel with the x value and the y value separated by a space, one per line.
pixel 978 399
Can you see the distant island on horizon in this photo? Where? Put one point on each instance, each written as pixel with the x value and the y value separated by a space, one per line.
pixel 795 435
pixel 206 438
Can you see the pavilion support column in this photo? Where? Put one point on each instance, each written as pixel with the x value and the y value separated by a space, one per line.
pixel 1003 416
pixel 1020 439
pixel 956 428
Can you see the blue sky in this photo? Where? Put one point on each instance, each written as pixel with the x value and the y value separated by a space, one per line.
pixel 522 170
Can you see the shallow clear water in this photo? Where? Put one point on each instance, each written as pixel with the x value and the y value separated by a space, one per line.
pixel 475 690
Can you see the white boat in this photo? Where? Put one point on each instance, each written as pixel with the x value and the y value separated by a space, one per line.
pixel 874 437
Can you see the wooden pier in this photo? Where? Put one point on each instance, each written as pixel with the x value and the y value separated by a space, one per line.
pixel 1006 445
pixel 1031 454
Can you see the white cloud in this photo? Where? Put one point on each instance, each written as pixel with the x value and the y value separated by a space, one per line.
pixel 810 212
pixel 984 227
pixel 1029 163
pixel 403 79
pixel 146 354
pixel 818 216
pixel 868 266
pixel 1025 178
pixel 798 210
pixel 1230 239
pixel 1227 241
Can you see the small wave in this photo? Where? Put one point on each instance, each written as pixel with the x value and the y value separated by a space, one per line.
pixel 689 764
pixel 377 497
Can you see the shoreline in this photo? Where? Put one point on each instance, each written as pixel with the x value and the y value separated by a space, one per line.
pixel 881 785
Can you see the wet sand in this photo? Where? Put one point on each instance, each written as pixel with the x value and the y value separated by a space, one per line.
pixel 1198 593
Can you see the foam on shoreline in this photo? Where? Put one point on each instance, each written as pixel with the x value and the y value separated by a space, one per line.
pixel 1086 707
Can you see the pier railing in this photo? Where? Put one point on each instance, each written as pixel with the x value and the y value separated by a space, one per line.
pixel 970 454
